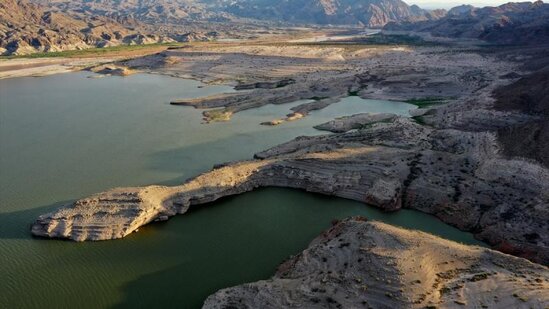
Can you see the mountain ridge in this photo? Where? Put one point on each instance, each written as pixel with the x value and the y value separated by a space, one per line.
pixel 510 23
pixel 27 28
pixel 370 13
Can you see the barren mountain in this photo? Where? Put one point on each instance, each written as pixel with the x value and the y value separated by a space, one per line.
pixel 28 28
pixel 371 13
pixel 149 11
pixel 511 23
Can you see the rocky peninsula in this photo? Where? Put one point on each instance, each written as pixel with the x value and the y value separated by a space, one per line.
pixel 456 176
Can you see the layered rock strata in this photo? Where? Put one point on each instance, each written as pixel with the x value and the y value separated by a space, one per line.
pixel 457 176
pixel 446 161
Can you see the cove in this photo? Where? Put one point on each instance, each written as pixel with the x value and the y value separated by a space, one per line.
pixel 67 136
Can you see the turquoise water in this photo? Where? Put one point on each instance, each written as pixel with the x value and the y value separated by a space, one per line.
pixel 66 136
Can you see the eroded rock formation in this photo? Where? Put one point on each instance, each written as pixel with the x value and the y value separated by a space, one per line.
pixel 446 161
pixel 457 176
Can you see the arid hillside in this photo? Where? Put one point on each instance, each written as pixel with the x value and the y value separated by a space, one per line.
pixel 27 28
pixel 511 23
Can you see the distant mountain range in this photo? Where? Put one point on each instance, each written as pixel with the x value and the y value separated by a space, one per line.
pixel 511 23
pixel 148 11
pixel 28 26
pixel 371 13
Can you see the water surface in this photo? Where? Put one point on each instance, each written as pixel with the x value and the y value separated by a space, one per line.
pixel 66 136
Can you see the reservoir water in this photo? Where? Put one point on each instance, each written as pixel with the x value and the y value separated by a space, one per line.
pixel 66 136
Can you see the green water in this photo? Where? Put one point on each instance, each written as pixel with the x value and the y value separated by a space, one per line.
pixel 67 136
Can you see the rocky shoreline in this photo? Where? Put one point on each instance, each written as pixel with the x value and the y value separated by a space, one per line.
pixel 470 156
pixel 446 161
pixel 453 175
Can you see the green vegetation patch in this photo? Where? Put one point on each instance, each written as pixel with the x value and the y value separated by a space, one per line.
pixel 91 52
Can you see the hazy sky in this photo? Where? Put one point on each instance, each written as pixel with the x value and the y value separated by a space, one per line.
pixel 430 4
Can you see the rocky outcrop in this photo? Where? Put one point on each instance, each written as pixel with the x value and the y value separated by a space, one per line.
pixel 363 264
pixel 119 212
pixel 324 75
pixel 230 103
pixel 357 121
pixel 303 110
